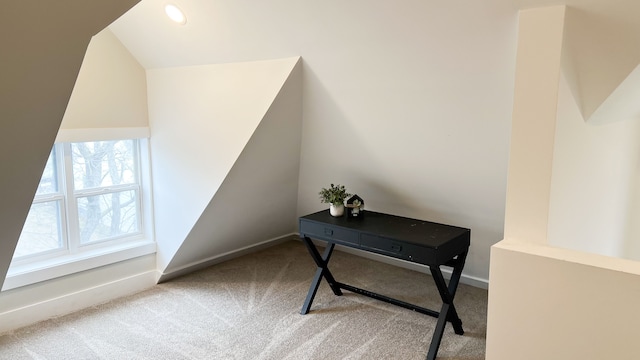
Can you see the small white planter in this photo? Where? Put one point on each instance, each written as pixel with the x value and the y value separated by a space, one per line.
pixel 336 210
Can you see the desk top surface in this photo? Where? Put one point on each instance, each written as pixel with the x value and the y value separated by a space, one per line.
pixel 420 232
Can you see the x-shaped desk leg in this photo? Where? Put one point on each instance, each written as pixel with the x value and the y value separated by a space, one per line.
pixel 322 271
pixel 448 311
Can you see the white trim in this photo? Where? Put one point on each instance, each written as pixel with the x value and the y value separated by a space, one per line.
pixel 102 134
pixel 56 267
pixel 201 264
pixel 71 302
pixel 464 279
pixel 146 191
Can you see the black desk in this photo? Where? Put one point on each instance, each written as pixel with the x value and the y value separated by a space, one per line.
pixel 413 240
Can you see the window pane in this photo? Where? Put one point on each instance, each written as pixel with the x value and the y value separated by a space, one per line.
pixel 103 163
pixel 42 230
pixel 108 215
pixel 49 180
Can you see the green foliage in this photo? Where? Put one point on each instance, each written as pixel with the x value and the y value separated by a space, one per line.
pixel 336 194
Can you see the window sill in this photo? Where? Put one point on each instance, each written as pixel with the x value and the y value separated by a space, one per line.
pixel 32 273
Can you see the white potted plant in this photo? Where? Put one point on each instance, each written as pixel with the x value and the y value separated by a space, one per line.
pixel 334 195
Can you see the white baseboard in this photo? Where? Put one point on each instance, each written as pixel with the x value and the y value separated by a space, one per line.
pixel 201 264
pixel 18 317
pixel 464 279
pixel 50 308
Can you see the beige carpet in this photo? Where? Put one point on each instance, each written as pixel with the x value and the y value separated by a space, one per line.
pixel 248 308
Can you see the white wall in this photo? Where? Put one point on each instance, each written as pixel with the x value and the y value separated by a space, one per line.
pixel 406 103
pixel 632 244
pixel 545 301
pixel 256 203
pixel 201 119
pixel 594 176
pixel 111 88
pixel 533 124
pixel 37 302
pixel 552 303
pixel 594 193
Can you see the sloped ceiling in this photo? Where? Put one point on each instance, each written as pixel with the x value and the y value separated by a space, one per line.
pixel 207 37
pixel 43 44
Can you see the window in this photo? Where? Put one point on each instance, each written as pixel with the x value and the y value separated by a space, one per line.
pixel 44 230
pixel 106 190
pixel 90 200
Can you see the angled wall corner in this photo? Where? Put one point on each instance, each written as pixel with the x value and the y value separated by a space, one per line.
pixel 594 182
pixel 257 200
pixel 600 63
pixel 622 104
pixel 225 152
pixel 41 56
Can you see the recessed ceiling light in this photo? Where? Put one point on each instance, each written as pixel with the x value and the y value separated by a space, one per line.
pixel 174 13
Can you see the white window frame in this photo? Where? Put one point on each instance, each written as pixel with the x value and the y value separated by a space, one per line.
pixel 80 257
pixel 58 196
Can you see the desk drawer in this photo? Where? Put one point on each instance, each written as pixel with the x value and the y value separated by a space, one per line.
pixel 381 244
pixel 330 233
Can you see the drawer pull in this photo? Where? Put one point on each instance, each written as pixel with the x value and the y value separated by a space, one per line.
pixel 328 232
